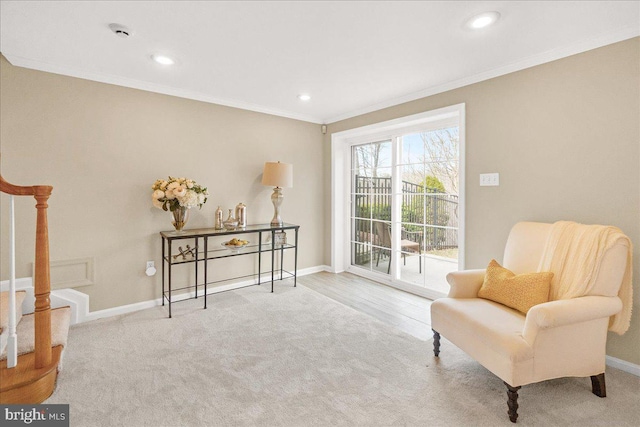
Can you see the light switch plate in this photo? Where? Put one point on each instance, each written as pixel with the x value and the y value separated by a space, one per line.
pixel 489 179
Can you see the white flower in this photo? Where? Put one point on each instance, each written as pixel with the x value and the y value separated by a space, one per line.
pixel 180 191
pixel 189 200
pixel 163 185
pixel 189 183
pixel 169 194
pixel 157 203
pixel 172 185
pixel 158 194
pixel 201 198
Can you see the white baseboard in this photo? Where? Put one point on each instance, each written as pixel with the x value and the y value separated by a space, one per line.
pixel 122 309
pixel 623 365
pixel 312 270
pixel 129 308
pixel 330 269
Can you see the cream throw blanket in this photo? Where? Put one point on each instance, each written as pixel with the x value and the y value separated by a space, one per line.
pixel 574 253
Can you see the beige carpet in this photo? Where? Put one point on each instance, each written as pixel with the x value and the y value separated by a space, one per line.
pixel 297 358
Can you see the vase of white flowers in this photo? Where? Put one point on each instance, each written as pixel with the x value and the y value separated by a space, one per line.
pixel 178 195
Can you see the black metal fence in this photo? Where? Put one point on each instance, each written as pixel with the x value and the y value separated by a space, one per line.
pixel 429 217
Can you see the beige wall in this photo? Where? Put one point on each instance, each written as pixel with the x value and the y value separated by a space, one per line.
pixel 564 137
pixel 102 146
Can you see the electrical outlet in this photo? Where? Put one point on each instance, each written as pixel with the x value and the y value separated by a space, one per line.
pixel 489 179
pixel 150 264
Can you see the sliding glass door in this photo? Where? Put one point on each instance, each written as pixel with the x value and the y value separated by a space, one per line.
pixel 371 206
pixel 428 167
pixel 404 207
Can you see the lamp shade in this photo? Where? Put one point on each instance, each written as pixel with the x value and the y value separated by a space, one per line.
pixel 277 174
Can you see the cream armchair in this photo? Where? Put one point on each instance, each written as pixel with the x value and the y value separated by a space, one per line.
pixel 562 338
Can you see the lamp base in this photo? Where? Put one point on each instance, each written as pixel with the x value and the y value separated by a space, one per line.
pixel 276 199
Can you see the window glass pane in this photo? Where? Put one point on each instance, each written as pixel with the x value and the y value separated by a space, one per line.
pixel 381 234
pixel 361 231
pixel 368 181
pixel 411 270
pixel 383 176
pixel 413 208
pixel 435 270
pixel 412 177
pixel 381 249
pixel 381 208
pixel 441 145
pixel 365 173
pixel 371 156
pixel 412 149
pixel 361 206
pixel 412 238
pixel 441 210
pixel 361 255
pixel 381 261
pixel 441 177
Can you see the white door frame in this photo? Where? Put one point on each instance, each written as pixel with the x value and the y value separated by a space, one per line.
pixel 341 143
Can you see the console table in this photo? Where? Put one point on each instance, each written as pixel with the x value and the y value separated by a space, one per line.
pixel 201 252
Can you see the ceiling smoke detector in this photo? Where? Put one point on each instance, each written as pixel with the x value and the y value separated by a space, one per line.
pixel 121 30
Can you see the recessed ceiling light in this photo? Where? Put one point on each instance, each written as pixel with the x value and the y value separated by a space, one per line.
pixel 304 97
pixel 163 59
pixel 483 20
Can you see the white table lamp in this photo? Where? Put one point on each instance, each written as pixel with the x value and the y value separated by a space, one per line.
pixel 278 175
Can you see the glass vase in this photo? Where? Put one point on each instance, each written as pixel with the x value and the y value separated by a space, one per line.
pixel 230 223
pixel 180 217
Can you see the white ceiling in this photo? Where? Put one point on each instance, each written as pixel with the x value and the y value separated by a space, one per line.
pixel 351 57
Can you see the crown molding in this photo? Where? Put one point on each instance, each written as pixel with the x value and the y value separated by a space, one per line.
pixel 548 56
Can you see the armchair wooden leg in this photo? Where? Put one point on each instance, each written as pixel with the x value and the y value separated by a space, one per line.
pixel 598 386
pixel 436 343
pixel 512 402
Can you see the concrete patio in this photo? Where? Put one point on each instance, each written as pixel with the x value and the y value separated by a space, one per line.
pixel 433 275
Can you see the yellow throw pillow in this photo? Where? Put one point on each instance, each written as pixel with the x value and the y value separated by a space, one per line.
pixel 520 292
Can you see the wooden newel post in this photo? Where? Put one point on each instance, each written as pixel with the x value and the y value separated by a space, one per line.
pixel 42 281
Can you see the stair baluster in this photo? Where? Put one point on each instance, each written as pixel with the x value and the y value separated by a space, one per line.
pixel 12 341
pixel 42 284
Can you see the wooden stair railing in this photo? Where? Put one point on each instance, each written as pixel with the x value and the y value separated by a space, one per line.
pixel 42 283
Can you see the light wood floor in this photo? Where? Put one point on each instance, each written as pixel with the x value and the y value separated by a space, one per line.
pixel 405 311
